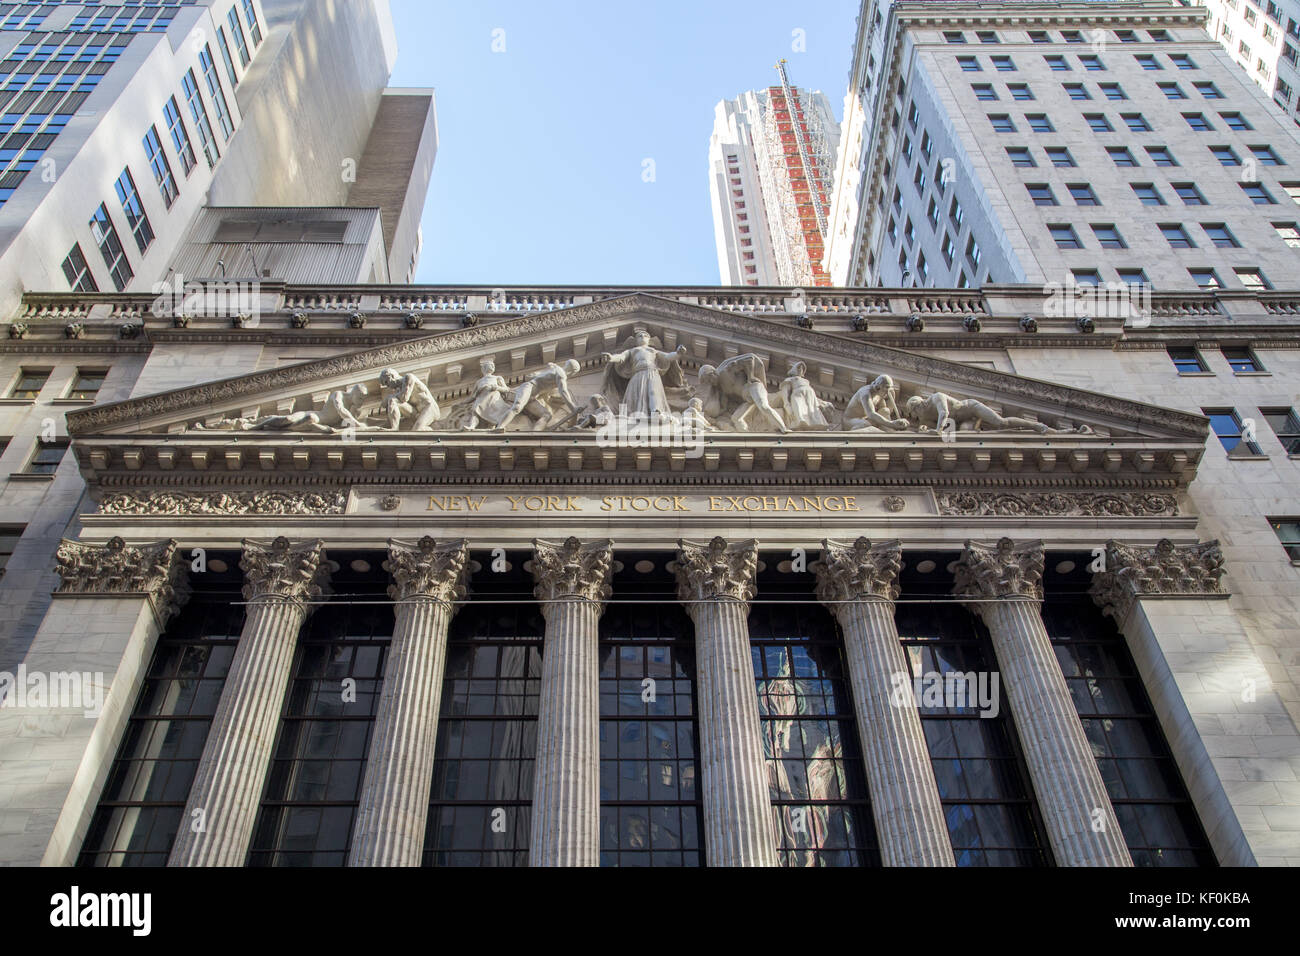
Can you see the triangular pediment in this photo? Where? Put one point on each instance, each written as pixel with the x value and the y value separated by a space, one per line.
pixel 704 353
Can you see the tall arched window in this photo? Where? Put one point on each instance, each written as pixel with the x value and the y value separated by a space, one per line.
pixel 144 796
pixel 314 782
pixel 487 726
pixel 817 784
pixel 983 784
pixel 1154 809
pixel 650 803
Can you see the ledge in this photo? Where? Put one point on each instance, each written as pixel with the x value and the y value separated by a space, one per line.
pixel 1252 374
pixel 24 476
pixel 17 401
pixel 1196 375
pixel 72 401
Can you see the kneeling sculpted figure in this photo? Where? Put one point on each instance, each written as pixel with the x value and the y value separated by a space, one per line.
pixel 411 399
pixel 875 406
pixel 737 389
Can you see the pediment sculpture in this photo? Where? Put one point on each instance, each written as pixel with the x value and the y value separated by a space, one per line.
pixel 644 383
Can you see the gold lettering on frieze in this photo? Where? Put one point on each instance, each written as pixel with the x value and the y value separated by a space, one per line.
pixel 645 504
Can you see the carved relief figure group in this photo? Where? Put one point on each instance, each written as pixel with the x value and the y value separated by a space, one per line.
pixel 644 383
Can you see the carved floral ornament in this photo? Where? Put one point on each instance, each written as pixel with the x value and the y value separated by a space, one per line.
pixel 428 570
pixel 118 568
pixel 283 570
pixel 1001 570
pixel 715 570
pixel 1165 570
pixel 851 572
pixel 363 365
pixel 571 569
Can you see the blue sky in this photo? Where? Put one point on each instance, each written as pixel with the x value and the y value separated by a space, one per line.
pixel 539 174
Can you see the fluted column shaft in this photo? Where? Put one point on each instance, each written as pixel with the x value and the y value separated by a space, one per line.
pixel 572 583
pixel 905 804
pixel 394 810
pixel 566 787
pixel 859 584
pixel 217 826
pixel 716 582
pixel 1076 809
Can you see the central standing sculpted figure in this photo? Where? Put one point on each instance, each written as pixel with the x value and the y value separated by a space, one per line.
pixel 644 395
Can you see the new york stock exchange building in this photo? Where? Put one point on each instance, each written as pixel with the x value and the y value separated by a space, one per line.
pixel 671 577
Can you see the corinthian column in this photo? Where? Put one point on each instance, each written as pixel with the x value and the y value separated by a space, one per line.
pixel 1169 600
pixel 1003 584
pixel 572 584
pixel 859 584
pixel 716 582
pixel 427 581
pixel 280 581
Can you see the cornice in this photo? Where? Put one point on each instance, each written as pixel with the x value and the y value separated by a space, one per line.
pixel 230 392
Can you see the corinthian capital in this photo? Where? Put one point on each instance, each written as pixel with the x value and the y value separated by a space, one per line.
pixel 850 572
pixel 284 570
pixel 118 568
pixel 1000 570
pixel 426 570
pixel 715 569
pixel 1167 569
pixel 571 569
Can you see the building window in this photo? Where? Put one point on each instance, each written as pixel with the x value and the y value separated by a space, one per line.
pixel 1176 235
pixel 29 384
pixel 1003 64
pixel 984 91
pixel 1060 156
pixel 1020 91
pixel 1121 156
pixel 1113 91
pixel 9 536
pixel 1252 279
pixel 954 36
pixel 955 213
pixel 1227 425
pixel 136 219
pixel 822 815
pixel 1108 235
pixel 1208 90
pixel 47 457
pixel 110 247
pixel 1092 62
pixel 1126 36
pixel 1021 157
pixel 1187 360
pixel 1286 426
pixel 1288 533
pixel 1189 194
pixel 1161 156
pixel 250 17
pixel 1205 278
pixel 1292 190
pixel 1040 36
pixel 1172 91
pixel 969 64
pixel 237 34
pixel 983 786
pixel 1236 121
pixel 214 90
pixel 487 732
pixel 1151 802
pixel 1041 194
pixel 1288 232
pixel 1039 123
pixel 1147 61
pixel 1148 194
pixel 77 272
pixel 1132 276
pixel 162 171
pixel 1241 359
pixel 199 113
pixel 1136 122
pixel 1098 123
pixel 1064 236
pixel 1082 194
pixel 226 58
pixel 973 253
pixel 180 136
pixel 1266 156
pixel 1220 235
pixel 86 386
pixel 1086 276
pixel 1077 91
pixel 1002 123
pixel 143 801
pixel 1198 122
pixel 1057 63
pixel 987 36
pixel 1182 61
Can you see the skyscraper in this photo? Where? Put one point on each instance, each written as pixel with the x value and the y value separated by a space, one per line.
pixel 770 163
pixel 1264 40
pixel 1122 146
